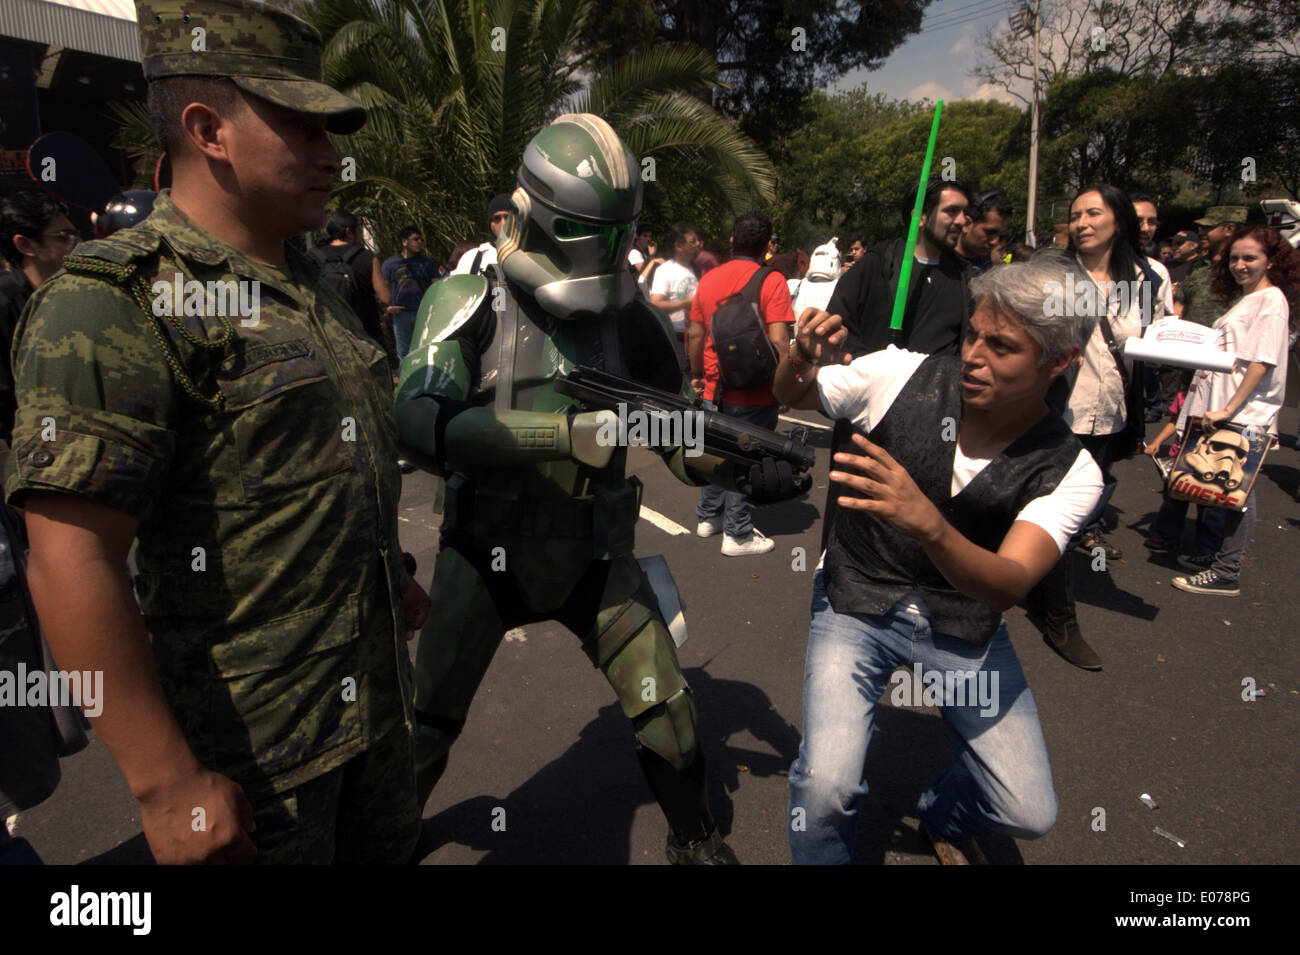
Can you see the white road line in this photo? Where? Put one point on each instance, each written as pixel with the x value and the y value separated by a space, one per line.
pixel 811 425
pixel 661 522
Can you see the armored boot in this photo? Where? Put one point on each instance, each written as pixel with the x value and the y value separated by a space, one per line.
pixel 693 838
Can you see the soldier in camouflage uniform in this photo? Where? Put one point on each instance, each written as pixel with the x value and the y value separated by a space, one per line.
pixel 1195 301
pixel 187 383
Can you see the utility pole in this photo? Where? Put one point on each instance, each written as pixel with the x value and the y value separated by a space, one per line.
pixel 1032 208
pixel 1027 23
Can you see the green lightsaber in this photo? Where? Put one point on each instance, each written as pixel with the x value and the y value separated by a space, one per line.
pixel 905 276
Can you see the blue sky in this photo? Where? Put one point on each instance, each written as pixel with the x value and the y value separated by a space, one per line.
pixel 936 61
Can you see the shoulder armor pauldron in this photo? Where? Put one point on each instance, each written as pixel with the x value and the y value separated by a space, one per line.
pixel 447 305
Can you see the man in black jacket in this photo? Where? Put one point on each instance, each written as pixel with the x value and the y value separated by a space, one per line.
pixel 937 303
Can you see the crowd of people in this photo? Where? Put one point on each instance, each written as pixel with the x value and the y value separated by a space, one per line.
pixel 255 663
pixel 1110 236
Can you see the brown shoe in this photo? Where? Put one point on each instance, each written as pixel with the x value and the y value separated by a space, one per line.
pixel 1094 539
pixel 967 853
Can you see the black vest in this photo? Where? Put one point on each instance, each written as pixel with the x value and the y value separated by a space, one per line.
pixel 870 565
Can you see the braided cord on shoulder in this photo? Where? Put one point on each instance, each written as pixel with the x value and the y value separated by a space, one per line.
pixel 130 279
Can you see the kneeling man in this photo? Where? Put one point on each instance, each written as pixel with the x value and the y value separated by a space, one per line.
pixel 957 490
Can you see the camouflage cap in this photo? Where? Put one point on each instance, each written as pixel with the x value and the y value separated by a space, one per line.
pixel 1216 215
pixel 267 52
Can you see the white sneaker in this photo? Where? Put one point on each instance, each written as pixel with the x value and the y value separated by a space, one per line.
pixel 707 529
pixel 757 544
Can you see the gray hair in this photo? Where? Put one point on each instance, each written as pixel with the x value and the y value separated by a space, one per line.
pixel 1035 292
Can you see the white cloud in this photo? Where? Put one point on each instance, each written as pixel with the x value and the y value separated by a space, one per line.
pixel 964 45
pixel 929 90
pixel 989 91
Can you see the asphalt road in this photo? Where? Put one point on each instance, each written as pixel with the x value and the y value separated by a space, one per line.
pixel 547 744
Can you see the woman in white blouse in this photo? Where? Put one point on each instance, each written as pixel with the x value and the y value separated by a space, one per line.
pixel 1115 284
pixel 1104 241
pixel 1267 270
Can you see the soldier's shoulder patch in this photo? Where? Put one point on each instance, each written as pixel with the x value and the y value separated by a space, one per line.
pixel 114 258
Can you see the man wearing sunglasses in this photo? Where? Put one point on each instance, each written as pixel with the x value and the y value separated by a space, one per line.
pixel 476 260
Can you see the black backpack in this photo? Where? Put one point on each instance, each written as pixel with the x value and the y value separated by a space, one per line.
pixel 746 356
pixel 336 271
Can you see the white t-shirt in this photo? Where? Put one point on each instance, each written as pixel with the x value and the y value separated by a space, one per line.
pixel 863 392
pixel 466 263
pixel 1256 330
pixel 675 281
pixel 635 258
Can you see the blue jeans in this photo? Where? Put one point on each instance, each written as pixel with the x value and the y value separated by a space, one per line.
pixel 403 329
pixel 1238 528
pixel 1001 782
pixel 1168 526
pixel 737 521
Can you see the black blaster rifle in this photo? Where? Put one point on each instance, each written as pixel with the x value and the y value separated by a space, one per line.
pixel 736 441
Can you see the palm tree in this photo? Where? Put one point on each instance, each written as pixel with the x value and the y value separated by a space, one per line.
pixel 134 137
pixel 456 89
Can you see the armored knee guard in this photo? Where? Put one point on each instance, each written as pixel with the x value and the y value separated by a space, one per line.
pixel 631 645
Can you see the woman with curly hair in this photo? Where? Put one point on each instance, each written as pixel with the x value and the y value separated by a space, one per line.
pixel 1267 270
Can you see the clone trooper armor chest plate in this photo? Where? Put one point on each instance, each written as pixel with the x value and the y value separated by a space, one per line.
pixel 552 518
pixel 531 348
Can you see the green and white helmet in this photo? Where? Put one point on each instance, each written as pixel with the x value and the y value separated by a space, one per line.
pixel 577 204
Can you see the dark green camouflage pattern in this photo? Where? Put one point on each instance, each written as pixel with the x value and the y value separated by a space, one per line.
pixel 363 813
pixel 290 488
pixel 1217 215
pixel 1200 304
pixel 266 51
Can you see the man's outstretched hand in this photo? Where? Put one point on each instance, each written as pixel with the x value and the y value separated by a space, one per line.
pixel 770 480
pixel 888 491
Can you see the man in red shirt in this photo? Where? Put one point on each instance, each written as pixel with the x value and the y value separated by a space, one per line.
pixel 721 510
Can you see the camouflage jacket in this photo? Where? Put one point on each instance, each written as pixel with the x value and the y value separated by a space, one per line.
pixel 1200 304
pixel 258 453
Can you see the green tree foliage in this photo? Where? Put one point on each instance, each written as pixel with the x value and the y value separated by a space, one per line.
pixel 1170 96
pixel 848 167
pixel 134 138
pixel 455 90
pixel 768 68
pixel 1152 132
pixel 1106 127
pixel 1246 122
